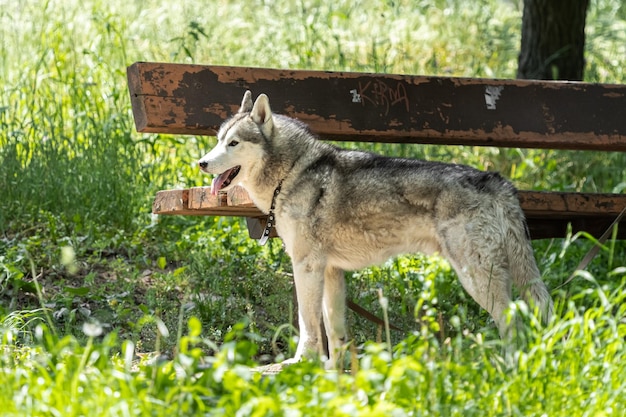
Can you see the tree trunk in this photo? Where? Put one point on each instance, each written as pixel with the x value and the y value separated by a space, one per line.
pixel 553 40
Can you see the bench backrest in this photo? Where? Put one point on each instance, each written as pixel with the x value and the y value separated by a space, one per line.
pixel 195 99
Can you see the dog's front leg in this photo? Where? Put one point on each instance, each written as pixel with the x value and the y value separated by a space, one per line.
pixel 309 281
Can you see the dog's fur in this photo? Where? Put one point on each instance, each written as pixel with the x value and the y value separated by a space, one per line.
pixel 343 210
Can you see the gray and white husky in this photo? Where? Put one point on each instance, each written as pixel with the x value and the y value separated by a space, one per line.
pixel 339 210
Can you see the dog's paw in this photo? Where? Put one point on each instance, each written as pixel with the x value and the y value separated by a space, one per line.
pixel 291 361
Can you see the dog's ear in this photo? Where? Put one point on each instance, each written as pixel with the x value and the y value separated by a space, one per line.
pixel 261 113
pixel 246 103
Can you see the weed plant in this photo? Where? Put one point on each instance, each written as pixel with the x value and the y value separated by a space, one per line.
pixel 105 310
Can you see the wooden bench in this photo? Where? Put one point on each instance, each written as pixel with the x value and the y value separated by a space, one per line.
pixel 343 106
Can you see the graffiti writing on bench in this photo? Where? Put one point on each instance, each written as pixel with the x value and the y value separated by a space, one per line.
pixel 380 94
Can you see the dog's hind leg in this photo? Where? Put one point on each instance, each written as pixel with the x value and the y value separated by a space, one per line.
pixel 483 271
pixel 334 309
pixel 492 291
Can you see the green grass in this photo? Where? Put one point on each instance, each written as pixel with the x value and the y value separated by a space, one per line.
pixel 184 305
pixel 574 367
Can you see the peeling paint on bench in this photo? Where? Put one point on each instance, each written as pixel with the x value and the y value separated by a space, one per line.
pixel 194 99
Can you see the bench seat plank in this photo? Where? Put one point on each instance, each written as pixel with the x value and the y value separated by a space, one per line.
pixel 548 213
pixel 195 99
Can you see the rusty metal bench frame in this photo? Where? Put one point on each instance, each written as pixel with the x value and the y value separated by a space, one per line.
pixel 342 106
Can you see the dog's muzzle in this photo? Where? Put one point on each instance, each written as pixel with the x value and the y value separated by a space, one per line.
pixel 223 179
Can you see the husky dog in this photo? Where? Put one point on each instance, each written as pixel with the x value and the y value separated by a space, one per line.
pixel 339 210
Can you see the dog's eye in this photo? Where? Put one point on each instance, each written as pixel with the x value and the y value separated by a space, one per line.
pixel 233 143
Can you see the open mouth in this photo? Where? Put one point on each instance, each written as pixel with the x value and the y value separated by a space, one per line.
pixel 224 179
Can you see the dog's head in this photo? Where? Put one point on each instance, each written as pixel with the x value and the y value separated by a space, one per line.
pixel 240 143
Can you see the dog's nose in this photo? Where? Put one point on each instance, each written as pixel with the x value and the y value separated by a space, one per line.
pixel 203 164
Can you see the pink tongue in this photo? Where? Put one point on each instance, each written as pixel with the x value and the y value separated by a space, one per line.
pixel 218 182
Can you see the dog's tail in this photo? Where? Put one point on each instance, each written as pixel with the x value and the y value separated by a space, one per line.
pixel 524 270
